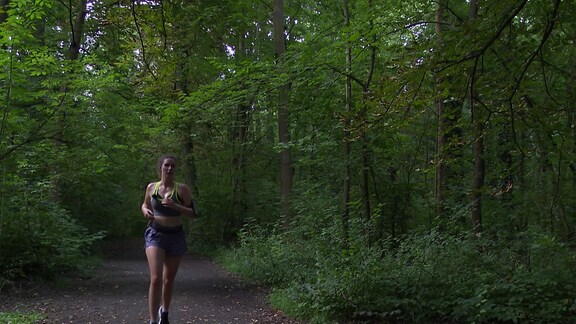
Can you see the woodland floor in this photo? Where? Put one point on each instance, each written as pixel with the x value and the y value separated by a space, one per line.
pixel 117 293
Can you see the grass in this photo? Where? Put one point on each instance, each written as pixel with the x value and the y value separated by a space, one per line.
pixel 19 318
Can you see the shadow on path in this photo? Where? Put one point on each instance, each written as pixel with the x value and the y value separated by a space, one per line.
pixel 204 293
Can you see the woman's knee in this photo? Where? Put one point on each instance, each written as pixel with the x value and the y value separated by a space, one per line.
pixel 168 279
pixel 156 280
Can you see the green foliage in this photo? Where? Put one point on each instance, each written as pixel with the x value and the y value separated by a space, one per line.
pixel 20 318
pixel 269 258
pixel 421 278
pixel 38 238
pixel 275 255
pixel 78 138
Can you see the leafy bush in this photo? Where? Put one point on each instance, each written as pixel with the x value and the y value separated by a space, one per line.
pixel 421 277
pixel 534 282
pixel 274 255
pixel 269 258
pixel 431 277
pixel 39 238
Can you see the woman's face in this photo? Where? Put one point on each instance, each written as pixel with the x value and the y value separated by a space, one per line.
pixel 168 167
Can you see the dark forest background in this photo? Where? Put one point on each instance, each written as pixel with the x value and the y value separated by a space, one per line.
pixel 371 160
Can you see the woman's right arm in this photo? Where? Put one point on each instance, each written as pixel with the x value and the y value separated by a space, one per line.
pixel 147 204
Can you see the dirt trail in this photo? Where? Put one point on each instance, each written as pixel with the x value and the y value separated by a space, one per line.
pixel 204 293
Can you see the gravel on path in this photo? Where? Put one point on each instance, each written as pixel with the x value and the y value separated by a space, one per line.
pixel 117 293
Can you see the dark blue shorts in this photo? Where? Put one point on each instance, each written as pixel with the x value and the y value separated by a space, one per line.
pixel 171 239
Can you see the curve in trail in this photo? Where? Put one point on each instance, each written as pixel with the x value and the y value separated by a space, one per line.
pixel 203 293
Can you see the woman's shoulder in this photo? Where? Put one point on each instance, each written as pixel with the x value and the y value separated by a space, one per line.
pixel 151 185
pixel 183 186
pixel 184 191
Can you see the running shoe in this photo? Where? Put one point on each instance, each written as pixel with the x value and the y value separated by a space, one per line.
pixel 163 315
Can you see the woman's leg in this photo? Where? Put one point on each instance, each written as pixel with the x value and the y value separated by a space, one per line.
pixel 171 264
pixel 155 256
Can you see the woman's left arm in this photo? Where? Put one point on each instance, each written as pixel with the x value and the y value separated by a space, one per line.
pixel 185 194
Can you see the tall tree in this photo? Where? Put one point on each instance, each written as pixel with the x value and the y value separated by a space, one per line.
pixel 440 161
pixel 239 138
pixel 77 15
pixel 77 19
pixel 283 113
pixel 478 141
pixel 347 126
pixel 3 10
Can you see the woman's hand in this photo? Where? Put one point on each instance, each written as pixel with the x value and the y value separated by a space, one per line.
pixel 168 202
pixel 148 213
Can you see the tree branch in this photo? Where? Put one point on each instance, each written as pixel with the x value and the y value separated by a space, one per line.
pixel 512 13
pixel 134 15
pixel 353 78
pixel 545 36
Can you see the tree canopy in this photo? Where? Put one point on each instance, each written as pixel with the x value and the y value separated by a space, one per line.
pixel 342 137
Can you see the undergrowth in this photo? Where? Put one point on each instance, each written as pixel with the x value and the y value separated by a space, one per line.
pixel 42 240
pixel 421 278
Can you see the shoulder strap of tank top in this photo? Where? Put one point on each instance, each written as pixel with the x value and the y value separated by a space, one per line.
pixel 174 194
pixel 156 188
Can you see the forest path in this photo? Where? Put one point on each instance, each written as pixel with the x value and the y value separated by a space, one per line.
pixel 117 293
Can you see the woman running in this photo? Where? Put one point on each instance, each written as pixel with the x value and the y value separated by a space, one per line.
pixel 165 202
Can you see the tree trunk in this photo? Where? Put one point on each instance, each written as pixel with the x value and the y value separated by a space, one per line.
pixel 366 209
pixel 366 154
pixel 77 30
pixel 479 171
pixel 571 96
pixel 478 146
pixel 449 134
pixel 347 139
pixel 3 10
pixel 239 135
pixel 283 116
pixel 190 175
pixel 440 163
pixel 3 16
